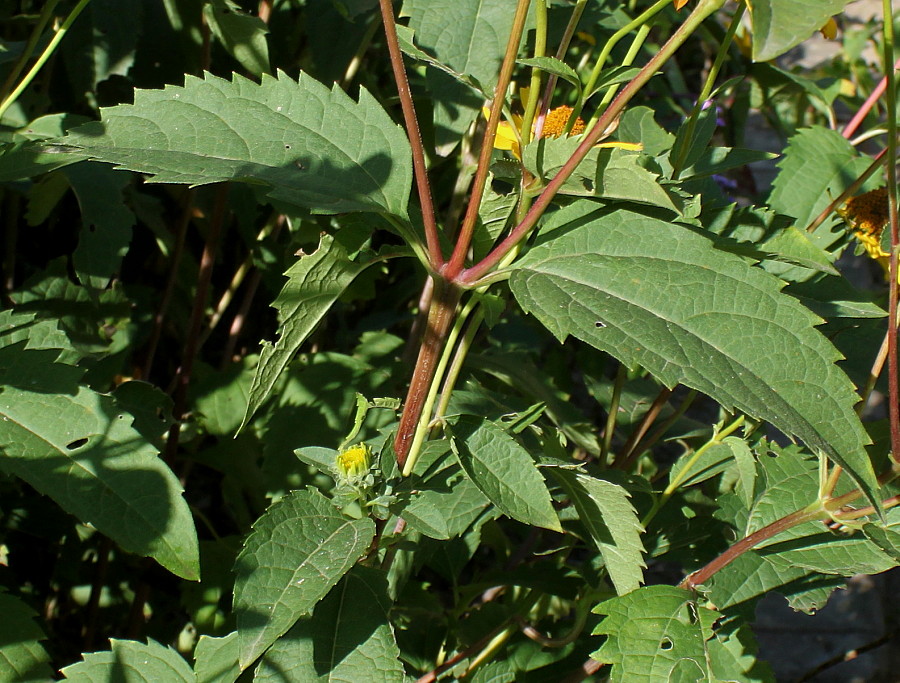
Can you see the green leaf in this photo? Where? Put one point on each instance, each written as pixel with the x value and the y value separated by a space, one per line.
pixel 310 146
pixel 242 35
pixel 26 159
pixel 654 293
pixel 79 448
pixel 818 164
pixel 446 502
pixel 604 509
pixel 719 159
pixel 22 657
pixel 554 66
pixel 607 173
pixel 298 550
pixel 106 222
pixel 216 659
pixel 314 283
pixel 131 662
pixel 639 125
pixel 654 634
pixel 499 466
pixel 733 658
pixel 779 25
pixel 468 35
pixel 348 637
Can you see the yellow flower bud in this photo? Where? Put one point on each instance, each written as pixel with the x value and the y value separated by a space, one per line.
pixel 355 461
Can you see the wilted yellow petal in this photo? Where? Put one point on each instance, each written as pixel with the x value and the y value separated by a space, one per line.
pixel 830 29
pixel 632 146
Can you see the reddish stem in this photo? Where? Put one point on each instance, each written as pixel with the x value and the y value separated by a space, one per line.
pixel 864 110
pixel 435 257
pixel 464 239
pixel 703 575
pixel 441 315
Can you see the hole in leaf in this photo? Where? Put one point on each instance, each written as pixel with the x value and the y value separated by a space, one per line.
pixel 77 443
pixel 599 325
pixel 665 644
pixel 287 146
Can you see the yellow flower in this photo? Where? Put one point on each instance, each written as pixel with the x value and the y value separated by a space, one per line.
pixel 508 138
pixel 867 215
pixel 354 462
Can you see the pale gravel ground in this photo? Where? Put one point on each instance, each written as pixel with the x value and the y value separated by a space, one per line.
pixel 795 643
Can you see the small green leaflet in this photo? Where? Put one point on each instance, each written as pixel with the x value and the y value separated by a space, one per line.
pixel 656 294
pixel 310 145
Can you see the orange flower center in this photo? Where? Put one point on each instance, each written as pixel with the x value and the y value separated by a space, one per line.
pixel 867 213
pixel 555 123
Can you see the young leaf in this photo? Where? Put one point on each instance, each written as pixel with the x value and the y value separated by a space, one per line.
pixel 605 511
pixel 554 66
pixel 314 284
pixel 216 659
pixel 503 470
pixel 79 448
pixel 656 633
pixel 298 550
pixel 22 657
pixel 653 293
pixel 779 25
pixel 129 660
pixel 348 637
pixel 311 146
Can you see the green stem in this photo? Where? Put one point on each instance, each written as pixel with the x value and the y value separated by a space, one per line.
pixel 425 417
pixel 612 417
pixel 534 87
pixel 470 276
pixel 640 20
pixel 706 92
pixel 43 20
pixel 464 239
pixel 45 55
pixel 459 357
pixel 893 384
pixel 681 475
pixel 574 18
pixel 630 56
